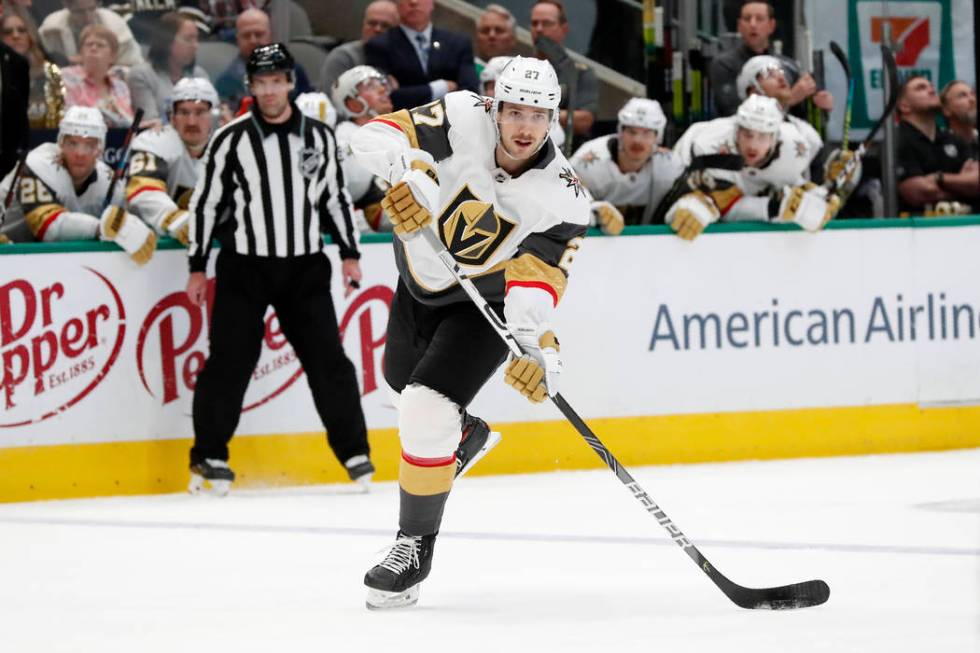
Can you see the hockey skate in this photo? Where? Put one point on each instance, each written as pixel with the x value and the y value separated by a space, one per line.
pixel 396 582
pixel 211 474
pixel 360 470
pixel 476 442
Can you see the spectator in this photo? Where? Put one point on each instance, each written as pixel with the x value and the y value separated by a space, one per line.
pixel 379 17
pixel 94 82
pixel 934 173
pixel 144 17
pixel 960 110
pixel 61 31
pixel 494 35
pixel 253 29
pixel 14 91
pixel 426 62
pixel 46 103
pixel 549 28
pixel 173 49
pixel 756 24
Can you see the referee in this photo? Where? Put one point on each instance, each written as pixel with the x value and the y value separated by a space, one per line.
pixel 275 172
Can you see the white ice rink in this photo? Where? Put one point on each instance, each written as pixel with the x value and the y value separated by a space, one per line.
pixel 551 562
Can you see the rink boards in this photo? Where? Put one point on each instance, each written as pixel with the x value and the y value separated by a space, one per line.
pixel 749 343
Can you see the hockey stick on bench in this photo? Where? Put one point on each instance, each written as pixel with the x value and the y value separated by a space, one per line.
pixel 798 595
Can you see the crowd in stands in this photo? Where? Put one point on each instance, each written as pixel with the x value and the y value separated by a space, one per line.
pixel 59 54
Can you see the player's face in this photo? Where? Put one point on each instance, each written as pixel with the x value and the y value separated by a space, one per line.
pixel 637 143
pixel 753 146
pixel 271 91
pixel 80 154
pixel 522 129
pixel 192 120
pixel 774 85
pixel 961 104
pixel 374 92
pixel 755 26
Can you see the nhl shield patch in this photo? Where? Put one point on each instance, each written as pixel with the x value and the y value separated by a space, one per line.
pixel 310 160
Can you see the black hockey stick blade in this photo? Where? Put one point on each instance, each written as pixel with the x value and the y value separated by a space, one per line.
pixel 786 597
pixel 841 57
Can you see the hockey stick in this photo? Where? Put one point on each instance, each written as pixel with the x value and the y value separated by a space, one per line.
pixel 892 72
pixel 845 64
pixel 9 199
pixel 798 595
pixel 123 158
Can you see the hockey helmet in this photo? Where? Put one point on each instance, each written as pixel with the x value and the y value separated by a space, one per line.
pixel 271 58
pixel 760 113
pixel 644 113
pixel 193 89
pixel 318 106
pixel 345 88
pixel 86 122
pixel 749 75
pixel 529 82
pixel 491 71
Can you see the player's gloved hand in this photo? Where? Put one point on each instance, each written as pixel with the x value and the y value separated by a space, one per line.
pixel 691 214
pixel 608 218
pixel 535 374
pixel 808 206
pixel 843 162
pixel 129 232
pixel 411 202
pixel 177 225
pixel 948 208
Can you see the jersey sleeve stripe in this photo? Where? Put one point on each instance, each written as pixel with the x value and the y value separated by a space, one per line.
pixel 39 215
pixel 541 285
pixel 529 271
pixel 402 121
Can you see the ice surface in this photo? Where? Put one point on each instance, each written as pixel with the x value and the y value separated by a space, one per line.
pixel 549 562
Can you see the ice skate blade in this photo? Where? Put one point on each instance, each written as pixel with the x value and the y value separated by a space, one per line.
pixel 200 485
pixel 493 439
pixel 381 600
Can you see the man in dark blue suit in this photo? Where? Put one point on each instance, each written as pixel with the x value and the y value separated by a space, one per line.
pixel 426 62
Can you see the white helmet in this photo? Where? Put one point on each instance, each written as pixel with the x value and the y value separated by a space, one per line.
pixel 749 76
pixel 491 71
pixel 760 113
pixel 644 113
pixel 345 88
pixel 86 122
pixel 530 82
pixel 193 89
pixel 318 106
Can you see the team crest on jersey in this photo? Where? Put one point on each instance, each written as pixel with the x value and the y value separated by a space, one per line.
pixel 480 101
pixel 310 160
pixel 471 230
pixel 571 181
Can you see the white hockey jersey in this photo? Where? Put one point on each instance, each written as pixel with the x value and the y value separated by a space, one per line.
pixel 513 235
pixel 635 194
pixel 788 165
pixel 162 176
pixel 46 205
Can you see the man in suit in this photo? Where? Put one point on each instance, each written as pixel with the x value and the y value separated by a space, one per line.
pixel 14 90
pixel 426 62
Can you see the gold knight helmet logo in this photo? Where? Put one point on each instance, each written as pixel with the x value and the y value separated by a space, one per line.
pixel 471 230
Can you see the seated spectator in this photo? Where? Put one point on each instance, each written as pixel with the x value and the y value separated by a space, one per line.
pixel 960 110
pixel 379 17
pixel 756 24
pixel 94 82
pixel 494 35
pixel 46 105
pixel 61 32
pixel 63 187
pixel 253 29
pixel 934 173
pixel 549 28
pixel 627 173
pixel 427 62
pixel 144 17
pixel 173 48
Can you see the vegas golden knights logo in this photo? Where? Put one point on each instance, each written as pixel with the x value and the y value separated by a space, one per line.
pixel 471 230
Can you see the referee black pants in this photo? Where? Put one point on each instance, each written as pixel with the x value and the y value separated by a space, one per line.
pixel 298 289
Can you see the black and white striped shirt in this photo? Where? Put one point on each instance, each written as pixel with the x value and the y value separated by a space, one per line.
pixel 282 184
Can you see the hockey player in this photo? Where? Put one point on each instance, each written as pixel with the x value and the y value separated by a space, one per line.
pixel 63 186
pixel 770 185
pixel 166 162
pixel 318 105
pixel 487 179
pixel 627 172
pixel 488 83
pixel 361 94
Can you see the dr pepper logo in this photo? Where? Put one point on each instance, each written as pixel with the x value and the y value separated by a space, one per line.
pixel 59 337
pixel 172 347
